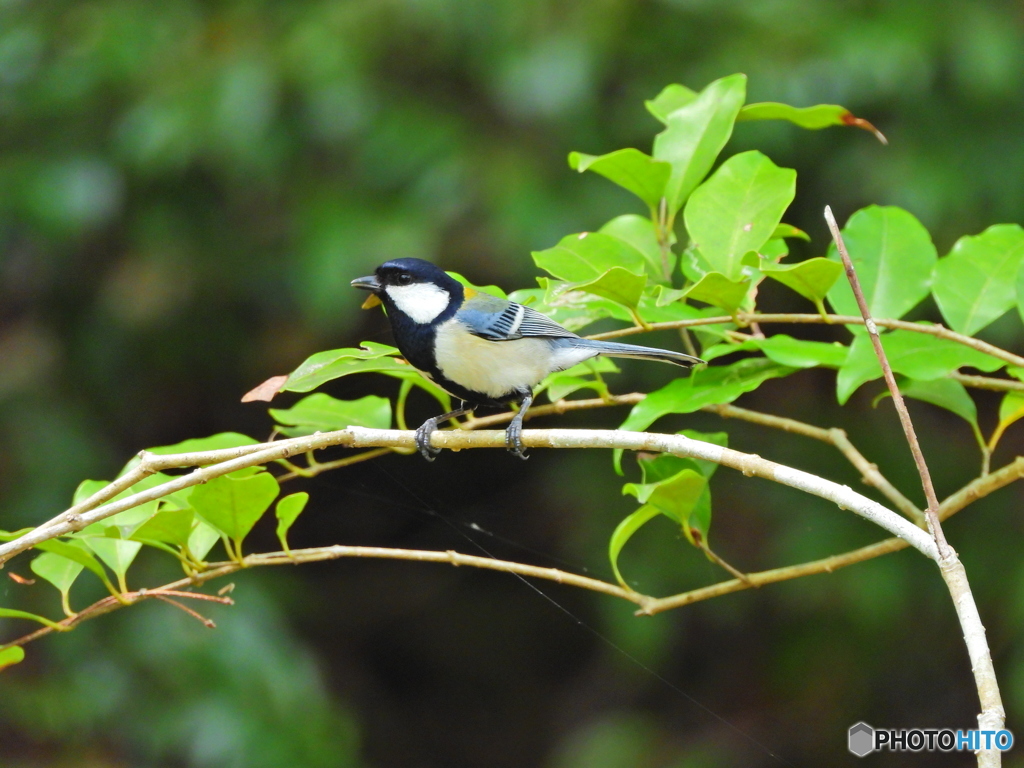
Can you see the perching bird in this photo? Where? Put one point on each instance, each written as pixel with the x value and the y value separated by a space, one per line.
pixel 484 350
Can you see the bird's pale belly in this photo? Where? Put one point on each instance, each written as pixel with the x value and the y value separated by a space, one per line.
pixel 497 368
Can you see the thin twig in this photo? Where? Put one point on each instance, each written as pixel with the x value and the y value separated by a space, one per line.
pixel 992 714
pixel 988 382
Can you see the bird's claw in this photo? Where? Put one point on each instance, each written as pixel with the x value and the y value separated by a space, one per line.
pixel 514 440
pixel 427 451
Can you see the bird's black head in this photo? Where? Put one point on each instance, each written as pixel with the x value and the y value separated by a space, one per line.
pixel 414 288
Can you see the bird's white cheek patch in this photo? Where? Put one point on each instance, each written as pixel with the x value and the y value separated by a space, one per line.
pixel 420 301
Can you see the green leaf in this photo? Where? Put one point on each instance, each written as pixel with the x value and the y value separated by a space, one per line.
pixel 216 442
pixel 788 230
pixel 60 572
pixel 585 375
pixel 694 135
pixel 1011 408
pixel 624 532
pixel 11 656
pixel 916 355
pixel 116 553
pixel 798 353
pixel 288 510
pixel 663 465
pixel 813 118
pixel 87 488
pixel 202 539
pixel 233 505
pixel 76 550
pixel 631 169
pixel 717 289
pixel 589 255
pixel 737 209
pixel 617 284
pixel 812 278
pixel 173 526
pixel 945 393
pixel 640 232
pixel 671 98
pixel 322 413
pixel 715 384
pixel 974 284
pixel 10 613
pixel 335 363
pixel 894 258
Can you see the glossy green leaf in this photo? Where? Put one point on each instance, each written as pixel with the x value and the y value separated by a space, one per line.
pixel 322 413
pixel 894 258
pixel 812 278
pixel 671 98
pixel 10 613
pixel 172 526
pixel 618 284
pixel 798 353
pixel 588 255
pixel 916 355
pixel 493 290
pixel 233 505
pixel 631 169
pixel 11 656
pixel 788 230
pixel 717 289
pixel 118 554
pixel 76 550
pixel 715 384
pixel 975 283
pixel 737 209
pixel 944 393
pixel 639 232
pixel 288 510
pixel 335 363
pixel 582 376
pixel 624 532
pixel 813 118
pixel 694 135
pixel 60 572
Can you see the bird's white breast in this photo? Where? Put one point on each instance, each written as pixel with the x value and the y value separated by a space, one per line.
pixel 498 368
pixel 420 301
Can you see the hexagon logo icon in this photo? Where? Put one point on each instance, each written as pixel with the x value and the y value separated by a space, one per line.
pixel 861 739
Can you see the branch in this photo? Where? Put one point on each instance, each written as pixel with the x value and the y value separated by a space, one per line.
pixel 357 437
pixel 992 714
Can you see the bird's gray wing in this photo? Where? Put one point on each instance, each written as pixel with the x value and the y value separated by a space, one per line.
pixel 508 321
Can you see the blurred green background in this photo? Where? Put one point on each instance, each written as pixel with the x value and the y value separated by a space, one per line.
pixel 186 190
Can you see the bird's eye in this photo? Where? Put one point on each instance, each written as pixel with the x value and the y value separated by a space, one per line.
pixel 404 278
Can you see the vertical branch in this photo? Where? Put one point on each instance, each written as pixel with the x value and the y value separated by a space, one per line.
pixel 953 573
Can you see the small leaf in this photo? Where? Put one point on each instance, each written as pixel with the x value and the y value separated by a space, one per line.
pixel 717 289
pixel 640 232
pixel 60 572
pixel 266 391
pixel 894 258
pixel 624 532
pixel 116 553
pixel 737 209
pixel 813 118
pixel 617 284
pixel 76 550
pixel 916 355
pixel 202 539
pixel 588 255
pixel 945 393
pixel 799 353
pixel 1011 408
pixel 788 230
pixel 974 284
pixel 288 510
pixel 322 413
pixel 11 656
pixel 173 526
pixel 233 505
pixel 694 135
pixel 335 363
pixel 10 613
pixel 631 169
pixel 812 278
pixel 671 98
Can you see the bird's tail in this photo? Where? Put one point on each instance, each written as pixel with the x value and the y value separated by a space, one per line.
pixel 614 349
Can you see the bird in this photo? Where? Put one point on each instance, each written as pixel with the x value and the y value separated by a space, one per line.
pixel 483 350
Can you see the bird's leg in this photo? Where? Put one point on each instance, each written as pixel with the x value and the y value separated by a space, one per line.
pixel 427 451
pixel 514 432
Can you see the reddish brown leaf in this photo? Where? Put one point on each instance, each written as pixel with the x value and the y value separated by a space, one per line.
pixel 265 392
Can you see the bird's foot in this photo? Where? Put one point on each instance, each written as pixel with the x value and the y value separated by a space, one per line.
pixel 514 438
pixel 427 451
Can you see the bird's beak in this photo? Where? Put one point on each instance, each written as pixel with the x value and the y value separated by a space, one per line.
pixel 368 283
